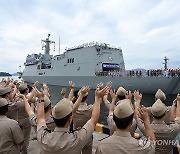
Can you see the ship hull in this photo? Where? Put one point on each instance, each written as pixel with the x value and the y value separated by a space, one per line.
pixel 148 85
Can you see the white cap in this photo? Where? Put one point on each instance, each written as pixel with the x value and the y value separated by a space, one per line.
pixel 124 109
pixel 160 95
pixel 62 109
pixel 84 95
pixel 158 108
pixel 23 87
pixel 5 90
pixel 121 91
pixel 46 101
pixel 3 102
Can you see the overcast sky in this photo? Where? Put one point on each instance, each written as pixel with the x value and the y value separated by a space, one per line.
pixel 146 30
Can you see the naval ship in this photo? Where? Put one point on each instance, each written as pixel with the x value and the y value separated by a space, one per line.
pixel 92 63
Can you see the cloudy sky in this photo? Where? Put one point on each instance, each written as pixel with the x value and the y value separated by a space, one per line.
pixel 146 30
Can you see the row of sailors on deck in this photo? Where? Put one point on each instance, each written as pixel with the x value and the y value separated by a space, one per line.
pixel 143 73
pixel 157 123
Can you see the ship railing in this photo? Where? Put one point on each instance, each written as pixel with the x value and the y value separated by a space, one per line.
pixel 92 44
pixel 140 73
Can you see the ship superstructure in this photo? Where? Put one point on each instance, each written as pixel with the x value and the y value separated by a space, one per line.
pixel 82 60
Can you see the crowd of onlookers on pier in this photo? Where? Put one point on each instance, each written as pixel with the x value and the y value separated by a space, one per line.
pixel 141 73
pixel 68 127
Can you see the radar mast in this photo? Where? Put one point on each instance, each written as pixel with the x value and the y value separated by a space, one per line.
pixel 165 62
pixel 46 45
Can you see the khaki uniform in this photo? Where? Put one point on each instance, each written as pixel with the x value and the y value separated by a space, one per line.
pixel 61 141
pixel 49 122
pixel 12 110
pixel 163 133
pixel 10 136
pixel 25 124
pixel 123 142
pixel 112 125
pixel 82 115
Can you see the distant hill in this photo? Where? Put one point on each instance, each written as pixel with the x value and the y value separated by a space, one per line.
pixel 15 74
pixel 5 74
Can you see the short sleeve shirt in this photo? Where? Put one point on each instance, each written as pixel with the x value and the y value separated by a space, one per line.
pixel 49 121
pixel 82 115
pixel 12 110
pixel 62 141
pixel 123 142
pixel 10 136
pixel 165 134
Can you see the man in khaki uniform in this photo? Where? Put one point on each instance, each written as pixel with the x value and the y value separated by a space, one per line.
pixel 165 134
pixel 47 109
pixel 61 140
pixel 121 94
pixel 7 92
pixel 82 115
pixel 162 96
pixel 11 136
pixel 122 141
pixel 23 118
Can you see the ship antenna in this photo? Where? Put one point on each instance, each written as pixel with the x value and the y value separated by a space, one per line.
pixel 59 44
pixel 165 63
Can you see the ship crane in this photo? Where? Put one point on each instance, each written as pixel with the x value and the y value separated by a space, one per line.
pixel 165 63
pixel 46 45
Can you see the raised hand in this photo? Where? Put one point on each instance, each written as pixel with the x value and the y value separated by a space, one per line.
pixel 71 85
pixel 45 86
pixel 39 94
pixel 63 92
pixel 128 95
pixel 20 95
pixel 137 96
pixel 113 94
pixel 178 98
pixel 109 84
pixel 36 84
pixel 142 113
pixel 175 102
pixel 101 92
pixel 99 85
pixel 84 90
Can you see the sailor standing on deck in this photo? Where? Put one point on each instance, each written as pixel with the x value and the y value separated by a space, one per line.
pixel 122 141
pixel 61 140
pixel 165 133
pixel 11 135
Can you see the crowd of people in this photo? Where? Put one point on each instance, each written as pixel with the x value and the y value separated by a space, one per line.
pixel 68 127
pixel 141 73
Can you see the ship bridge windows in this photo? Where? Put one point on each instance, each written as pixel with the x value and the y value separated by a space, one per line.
pixel 44 66
pixel 110 66
pixel 70 60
